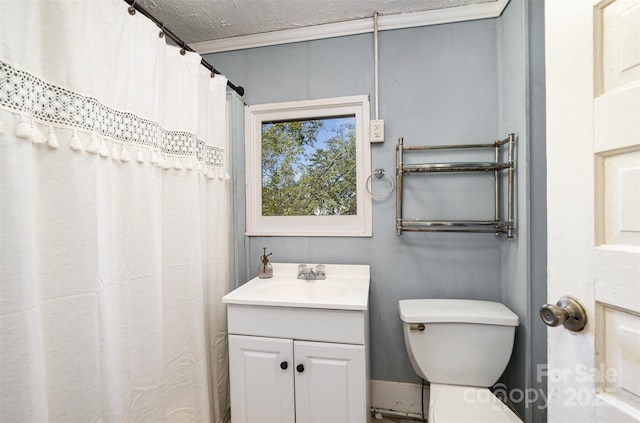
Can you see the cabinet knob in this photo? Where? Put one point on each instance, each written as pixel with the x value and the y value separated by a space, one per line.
pixel 300 368
pixel 284 365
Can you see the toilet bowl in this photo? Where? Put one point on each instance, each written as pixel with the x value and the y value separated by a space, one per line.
pixel 461 347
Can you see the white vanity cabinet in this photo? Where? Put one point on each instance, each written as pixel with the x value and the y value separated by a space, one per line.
pixel 299 353
pixel 282 380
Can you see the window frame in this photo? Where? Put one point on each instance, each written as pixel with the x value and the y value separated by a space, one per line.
pixel 358 225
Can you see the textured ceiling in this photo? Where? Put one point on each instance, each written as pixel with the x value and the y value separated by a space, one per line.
pixel 205 20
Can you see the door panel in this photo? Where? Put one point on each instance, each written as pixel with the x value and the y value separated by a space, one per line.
pixel 331 388
pixel 619 182
pixel 261 390
pixel 617 45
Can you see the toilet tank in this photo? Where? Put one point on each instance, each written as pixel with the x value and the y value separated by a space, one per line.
pixel 464 342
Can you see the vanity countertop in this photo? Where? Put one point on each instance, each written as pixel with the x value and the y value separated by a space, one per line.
pixel 346 287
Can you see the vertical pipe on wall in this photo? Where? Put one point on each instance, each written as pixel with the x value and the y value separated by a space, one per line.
pixel 496 182
pixel 399 173
pixel 510 182
pixel 375 58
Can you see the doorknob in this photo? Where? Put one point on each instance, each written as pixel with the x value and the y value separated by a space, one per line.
pixel 567 311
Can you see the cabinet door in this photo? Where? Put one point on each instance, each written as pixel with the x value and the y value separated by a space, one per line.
pixel 261 389
pixel 332 386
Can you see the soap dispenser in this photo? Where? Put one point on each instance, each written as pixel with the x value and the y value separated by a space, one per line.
pixel 266 270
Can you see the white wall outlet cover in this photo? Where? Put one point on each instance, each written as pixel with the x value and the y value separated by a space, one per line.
pixel 377 130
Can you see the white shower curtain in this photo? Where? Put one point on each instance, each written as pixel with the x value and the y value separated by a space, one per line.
pixel 113 224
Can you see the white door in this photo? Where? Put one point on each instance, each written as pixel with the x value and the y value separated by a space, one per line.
pixel 261 379
pixel 330 385
pixel 593 150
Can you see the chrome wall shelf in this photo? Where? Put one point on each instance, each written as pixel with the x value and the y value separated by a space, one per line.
pixel 497 226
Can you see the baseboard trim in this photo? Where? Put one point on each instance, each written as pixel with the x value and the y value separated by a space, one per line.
pixel 398 399
pixel 379 413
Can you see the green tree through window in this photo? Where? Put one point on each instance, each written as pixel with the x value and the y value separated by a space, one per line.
pixel 309 167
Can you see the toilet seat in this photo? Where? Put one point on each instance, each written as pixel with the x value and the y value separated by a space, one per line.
pixel 463 404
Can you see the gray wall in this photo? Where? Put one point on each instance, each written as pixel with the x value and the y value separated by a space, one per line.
pixel 452 83
pixel 522 109
pixel 513 118
pixel 538 205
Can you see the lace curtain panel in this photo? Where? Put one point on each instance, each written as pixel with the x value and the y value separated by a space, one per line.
pixel 113 220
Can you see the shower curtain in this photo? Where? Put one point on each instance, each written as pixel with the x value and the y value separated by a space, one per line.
pixel 113 220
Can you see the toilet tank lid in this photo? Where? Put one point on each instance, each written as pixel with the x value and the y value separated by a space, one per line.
pixel 456 311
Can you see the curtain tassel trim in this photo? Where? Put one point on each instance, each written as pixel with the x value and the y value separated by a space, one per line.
pixel 103 150
pixel 52 139
pixel 124 155
pixel 75 143
pixel 97 146
pixel 166 164
pixel 35 101
pixel 23 130
pixel 94 144
pixel 140 156
pixel 154 158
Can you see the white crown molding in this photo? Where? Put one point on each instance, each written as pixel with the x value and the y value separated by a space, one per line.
pixel 491 9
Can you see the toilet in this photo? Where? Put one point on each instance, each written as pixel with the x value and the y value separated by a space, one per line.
pixel 461 347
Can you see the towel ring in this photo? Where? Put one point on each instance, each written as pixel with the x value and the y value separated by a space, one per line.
pixel 379 173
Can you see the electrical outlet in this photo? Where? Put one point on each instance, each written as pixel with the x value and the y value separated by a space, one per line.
pixel 377 131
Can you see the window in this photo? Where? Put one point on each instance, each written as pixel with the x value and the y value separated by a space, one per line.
pixel 306 165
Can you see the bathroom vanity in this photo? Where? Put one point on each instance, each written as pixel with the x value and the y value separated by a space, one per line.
pixel 299 349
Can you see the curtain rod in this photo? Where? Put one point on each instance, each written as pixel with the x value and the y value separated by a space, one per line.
pixel 132 10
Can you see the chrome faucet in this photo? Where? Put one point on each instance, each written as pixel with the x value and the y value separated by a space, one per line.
pixel 309 274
